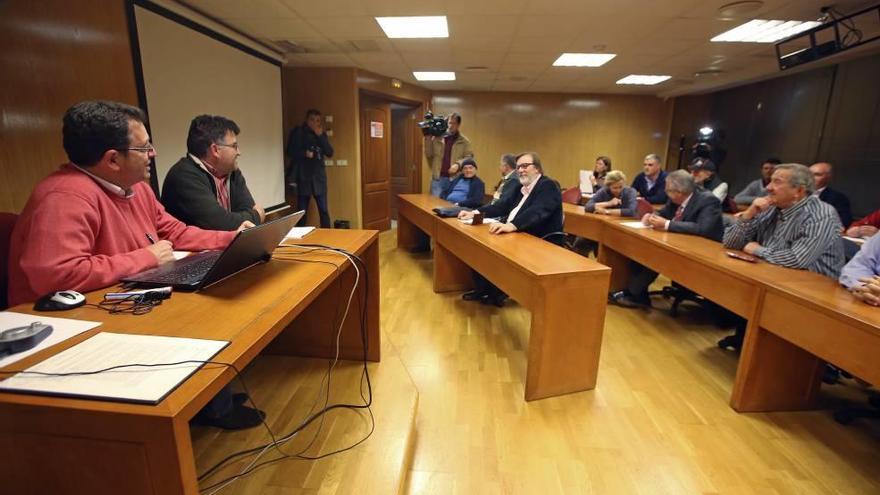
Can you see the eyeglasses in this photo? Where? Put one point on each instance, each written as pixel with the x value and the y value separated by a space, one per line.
pixel 523 166
pixel 233 145
pixel 143 149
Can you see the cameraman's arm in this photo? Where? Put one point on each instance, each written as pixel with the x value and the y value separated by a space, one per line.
pixel 324 143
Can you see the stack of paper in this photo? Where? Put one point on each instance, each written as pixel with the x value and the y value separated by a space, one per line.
pixel 62 329
pixel 298 232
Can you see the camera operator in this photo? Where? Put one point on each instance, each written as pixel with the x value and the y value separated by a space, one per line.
pixel 445 154
pixel 307 146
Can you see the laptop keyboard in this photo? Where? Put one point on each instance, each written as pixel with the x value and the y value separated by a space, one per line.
pixel 188 270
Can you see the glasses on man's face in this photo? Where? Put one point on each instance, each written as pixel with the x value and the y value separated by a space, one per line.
pixel 233 145
pixel 143 149
pixel 523 166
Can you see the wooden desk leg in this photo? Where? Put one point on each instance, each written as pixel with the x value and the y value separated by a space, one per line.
pixel 619 265
pixel 409 236
pixel 563 355
pixel 450 273
pixel 774 374
pixel 68 451
pixel 313 332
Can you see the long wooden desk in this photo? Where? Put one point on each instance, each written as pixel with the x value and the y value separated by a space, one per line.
pixel 59 445
pixel 563 353
pixel 797 318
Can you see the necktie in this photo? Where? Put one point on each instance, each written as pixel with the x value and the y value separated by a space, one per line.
pixel 678 214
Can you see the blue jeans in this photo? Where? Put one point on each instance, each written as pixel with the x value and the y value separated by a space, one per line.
pixel 439 185
pixel 321 201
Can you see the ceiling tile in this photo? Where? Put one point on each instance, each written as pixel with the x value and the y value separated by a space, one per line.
pixel 348 28
pixel 235 9
pixel 277 29
pixel 326 8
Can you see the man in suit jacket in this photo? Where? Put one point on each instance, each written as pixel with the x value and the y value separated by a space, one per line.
pixel 509 183
pixel 688 211
pixel 822 176
pixel 307 146
pixel 534 208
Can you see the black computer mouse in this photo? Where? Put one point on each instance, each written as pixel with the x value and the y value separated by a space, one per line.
pixel 60 301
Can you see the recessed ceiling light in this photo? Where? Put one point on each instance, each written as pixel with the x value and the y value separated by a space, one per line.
pixel 643 79
pixel 583 59
pixel 763 31
pixel 434 76
pixel 414 27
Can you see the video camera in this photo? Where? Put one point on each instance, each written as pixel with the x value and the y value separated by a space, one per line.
pixel 433 125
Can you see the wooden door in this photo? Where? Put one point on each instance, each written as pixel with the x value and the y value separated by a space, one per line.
pixel 406 153
pixel 376 163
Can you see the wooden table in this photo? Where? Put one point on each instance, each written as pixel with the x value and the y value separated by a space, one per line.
pixel 58 445
pixel 563 353
pixel 797 319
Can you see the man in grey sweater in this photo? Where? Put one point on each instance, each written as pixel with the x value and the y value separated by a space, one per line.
pixel 756 188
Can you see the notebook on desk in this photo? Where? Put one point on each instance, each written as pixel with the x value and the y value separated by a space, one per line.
pixel 248 248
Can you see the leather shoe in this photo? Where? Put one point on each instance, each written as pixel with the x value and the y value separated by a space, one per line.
pixel 473 296
pixel 494 300
pixel 239 418
pixel 627 301
pixel 731 342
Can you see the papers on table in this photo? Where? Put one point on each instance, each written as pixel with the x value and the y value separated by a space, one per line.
pixel 179 255
pixel 486 221
pixel 62 329
pixel 299 232
pixel 130 384
pixel 634 225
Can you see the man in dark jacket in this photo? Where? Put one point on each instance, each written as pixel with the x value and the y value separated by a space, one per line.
pixel 688 211
pixel 652 181
pixel 822 175
pixel 307 146
pixel 536 208
pixel 205 188
pixel 466 190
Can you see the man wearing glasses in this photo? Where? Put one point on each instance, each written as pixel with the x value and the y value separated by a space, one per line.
pixel 206 188
pixel 536 208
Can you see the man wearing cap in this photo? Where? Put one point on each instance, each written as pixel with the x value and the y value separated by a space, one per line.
pixel 706 177
pixel 466 190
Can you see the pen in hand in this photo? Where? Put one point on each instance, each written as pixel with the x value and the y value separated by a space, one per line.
pixel 150 238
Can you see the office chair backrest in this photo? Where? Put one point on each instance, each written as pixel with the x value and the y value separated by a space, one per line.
pixel 572 195
pixel 643 207
pixel 7 223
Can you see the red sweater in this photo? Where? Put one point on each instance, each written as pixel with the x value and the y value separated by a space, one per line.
pixel 75 234
pixel 872 219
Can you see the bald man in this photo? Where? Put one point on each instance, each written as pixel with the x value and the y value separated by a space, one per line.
pixel 822 172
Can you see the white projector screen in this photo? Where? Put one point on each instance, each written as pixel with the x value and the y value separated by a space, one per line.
pixel 187 73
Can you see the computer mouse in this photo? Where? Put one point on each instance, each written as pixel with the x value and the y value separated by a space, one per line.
pixel 60 301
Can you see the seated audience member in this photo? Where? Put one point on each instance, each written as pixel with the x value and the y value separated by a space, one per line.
pixel 862 274
pixel 789 227
pixel 509 182
pixel 601 169
pixel 822 176
pixel 93 222
pixel 706 177
pixel 651 184
pixel 688 211
pixel 206 188
pixel 865 227
pixel 615 198
pixel 467 189
pixel 535 208
pixel 756 188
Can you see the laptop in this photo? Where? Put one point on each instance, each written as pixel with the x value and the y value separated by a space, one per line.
pixel 197 271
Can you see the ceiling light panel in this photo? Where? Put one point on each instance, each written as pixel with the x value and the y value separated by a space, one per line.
pixel 583 59
pixel 434 76
pixel 764 31
pixel 644 80
pixel 414 27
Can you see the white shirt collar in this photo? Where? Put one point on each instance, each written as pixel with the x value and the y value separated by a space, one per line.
pixel 113 188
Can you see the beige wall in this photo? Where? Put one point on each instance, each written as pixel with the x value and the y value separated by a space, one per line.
pixel 332 91
pixel 568 131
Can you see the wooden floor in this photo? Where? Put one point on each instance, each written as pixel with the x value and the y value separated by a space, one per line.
pixel 658 421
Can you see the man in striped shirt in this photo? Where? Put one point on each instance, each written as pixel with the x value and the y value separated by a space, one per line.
pixel 790 227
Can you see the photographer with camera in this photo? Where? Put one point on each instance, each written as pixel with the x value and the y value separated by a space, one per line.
pixel 307 146
pixel 445 149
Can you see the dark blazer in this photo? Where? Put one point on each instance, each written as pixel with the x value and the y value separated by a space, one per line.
pixel 655 195
pixel 541 213
pixel 190 195
pixel 475 193
pixel 840 203
pixel 510 186
pixel 308 173
pixel 701 216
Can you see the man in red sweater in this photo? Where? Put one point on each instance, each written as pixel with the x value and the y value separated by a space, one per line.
pixel 94 221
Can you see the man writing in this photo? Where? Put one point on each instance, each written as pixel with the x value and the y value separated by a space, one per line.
pixel 446 153
pixel 206 188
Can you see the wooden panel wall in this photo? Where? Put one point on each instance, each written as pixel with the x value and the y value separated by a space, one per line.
pixel 568 131
pixel 827 114
pixel 332 91
pixel 53 55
